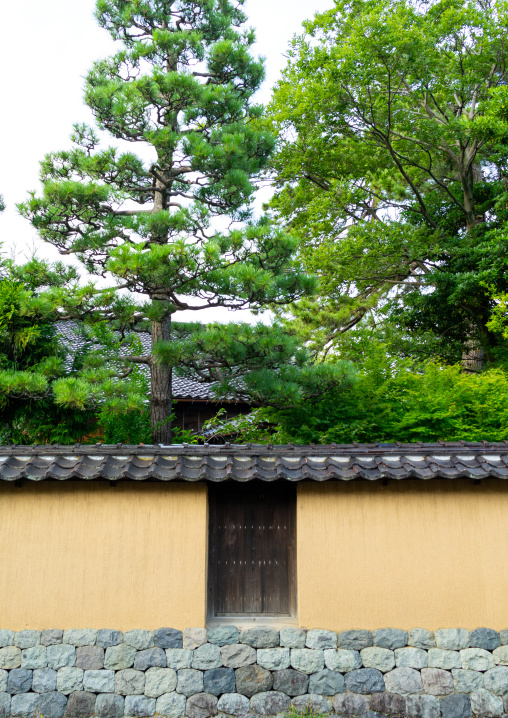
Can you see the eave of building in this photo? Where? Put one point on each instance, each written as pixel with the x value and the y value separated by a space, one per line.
pixel 373 462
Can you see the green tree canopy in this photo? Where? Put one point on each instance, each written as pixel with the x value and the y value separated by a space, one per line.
pixel 180 90
pixel 391 166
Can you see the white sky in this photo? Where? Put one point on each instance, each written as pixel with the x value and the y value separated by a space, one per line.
pixel 47 46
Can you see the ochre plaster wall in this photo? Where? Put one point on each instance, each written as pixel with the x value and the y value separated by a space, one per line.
pixel 409 554
pixel 76 554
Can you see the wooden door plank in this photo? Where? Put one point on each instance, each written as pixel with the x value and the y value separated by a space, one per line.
pixel 252 546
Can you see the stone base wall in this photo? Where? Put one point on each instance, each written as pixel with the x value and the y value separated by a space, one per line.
pixel 200 673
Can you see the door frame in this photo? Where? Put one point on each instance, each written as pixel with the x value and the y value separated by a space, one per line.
pixel 279 619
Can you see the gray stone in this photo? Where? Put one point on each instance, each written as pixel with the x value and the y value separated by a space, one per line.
pixel 167 638
pixel 219 680
pixel 189 682
pixel 293 637
pixel 194 637
pixel 421 638
pixel 51 637
pixel 327 683
pixel 171 705
pixel 312 702
pixel 69 680
pixel 35 657
pixel 455 706
pixel 372 714
pixel 90 658
pixel 10 657
pixel 270 703
pixel 260 637
pixel 5 705
pixel 238 655
pixel 485 705
pixel 234 704
pixel 99 681
pixel 223 635
pixel 307 660
pixel 391 638
pixel 253 679
pixel 52 705
pixel 439 658
pixel 452 639
pixel 380 658
pixel 119 657
pixel 437 682
pixel 503 635
pixel 27 639
pixel 354 640
pixel 19 681
pixel 178 658
pixel 390 704
pixel 129 682
pixel 202 705
pixel 349 704
pixel 44 680
pixel 403 681
pixel 159 681
pixel 476 659
pixel 80 705
pixel 108 637
pixel 207 656
pixel 24 705
pixel 467 681
pixel 484 638
pixel 500 656
pixel 342 660
pixel 422 707
pixel 109 705
pixel 139 706
pixel 317 638
pixel 3 681
pixel 411 657
pixel 80 636
pixel 6 638
pixel 291 682
pixel 139 639
pixel 496 680
pixel 365 680
pixel 505 703
pixel 273 659
pixel 150 657
pixel 61 656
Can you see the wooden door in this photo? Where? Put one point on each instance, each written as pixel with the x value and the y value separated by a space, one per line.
pixel 252 549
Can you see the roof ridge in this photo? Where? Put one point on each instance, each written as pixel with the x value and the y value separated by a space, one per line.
pixel 254 449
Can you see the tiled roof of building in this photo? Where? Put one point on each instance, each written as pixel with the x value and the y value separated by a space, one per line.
pixel 183 389
pixel 247 462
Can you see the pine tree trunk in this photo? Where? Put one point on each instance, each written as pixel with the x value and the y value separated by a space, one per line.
pixel 161 395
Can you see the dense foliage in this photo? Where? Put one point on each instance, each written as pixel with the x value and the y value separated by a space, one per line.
pixel 34 360
pixel 392 168
pixel 385 260
pixel 387 404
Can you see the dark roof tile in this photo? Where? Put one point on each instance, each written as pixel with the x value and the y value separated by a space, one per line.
pixel 244 463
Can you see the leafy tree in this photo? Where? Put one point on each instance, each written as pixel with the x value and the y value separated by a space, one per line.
pixel 33 360
pixel 388 403
pixel 176 229
pixel 49 389
pixel 392 167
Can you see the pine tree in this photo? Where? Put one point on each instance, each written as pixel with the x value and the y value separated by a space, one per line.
pixel 180 90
